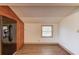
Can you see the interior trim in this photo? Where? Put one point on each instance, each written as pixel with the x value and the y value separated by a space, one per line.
pixel 40 43
pixel 71 53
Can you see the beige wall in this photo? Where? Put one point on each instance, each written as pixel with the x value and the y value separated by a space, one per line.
pixel 32 34
pixel 69 32
pixel 0 46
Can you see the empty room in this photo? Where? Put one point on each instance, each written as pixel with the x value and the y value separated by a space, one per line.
pixel 39 29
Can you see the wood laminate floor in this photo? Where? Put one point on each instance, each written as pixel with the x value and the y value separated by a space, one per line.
pixel 41 49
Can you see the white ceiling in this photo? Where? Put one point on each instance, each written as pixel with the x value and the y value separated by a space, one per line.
pixel 47 13
pixel 42 11
pixel 40 4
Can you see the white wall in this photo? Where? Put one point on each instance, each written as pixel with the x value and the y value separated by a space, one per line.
pixel 32 34
pixel 69 32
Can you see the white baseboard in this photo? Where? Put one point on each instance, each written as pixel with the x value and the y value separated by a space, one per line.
pixel 41 43
pixel 66 49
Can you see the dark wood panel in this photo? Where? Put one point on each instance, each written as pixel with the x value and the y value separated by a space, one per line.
pixel 8 49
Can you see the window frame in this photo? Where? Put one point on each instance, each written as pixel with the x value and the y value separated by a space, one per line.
pixel 51 31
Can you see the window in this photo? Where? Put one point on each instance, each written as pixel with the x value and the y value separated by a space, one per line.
pixel 47 31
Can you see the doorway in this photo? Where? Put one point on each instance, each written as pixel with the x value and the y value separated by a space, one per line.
pixel 8 35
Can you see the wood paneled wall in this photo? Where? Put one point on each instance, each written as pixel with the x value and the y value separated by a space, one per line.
pixel 6 11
